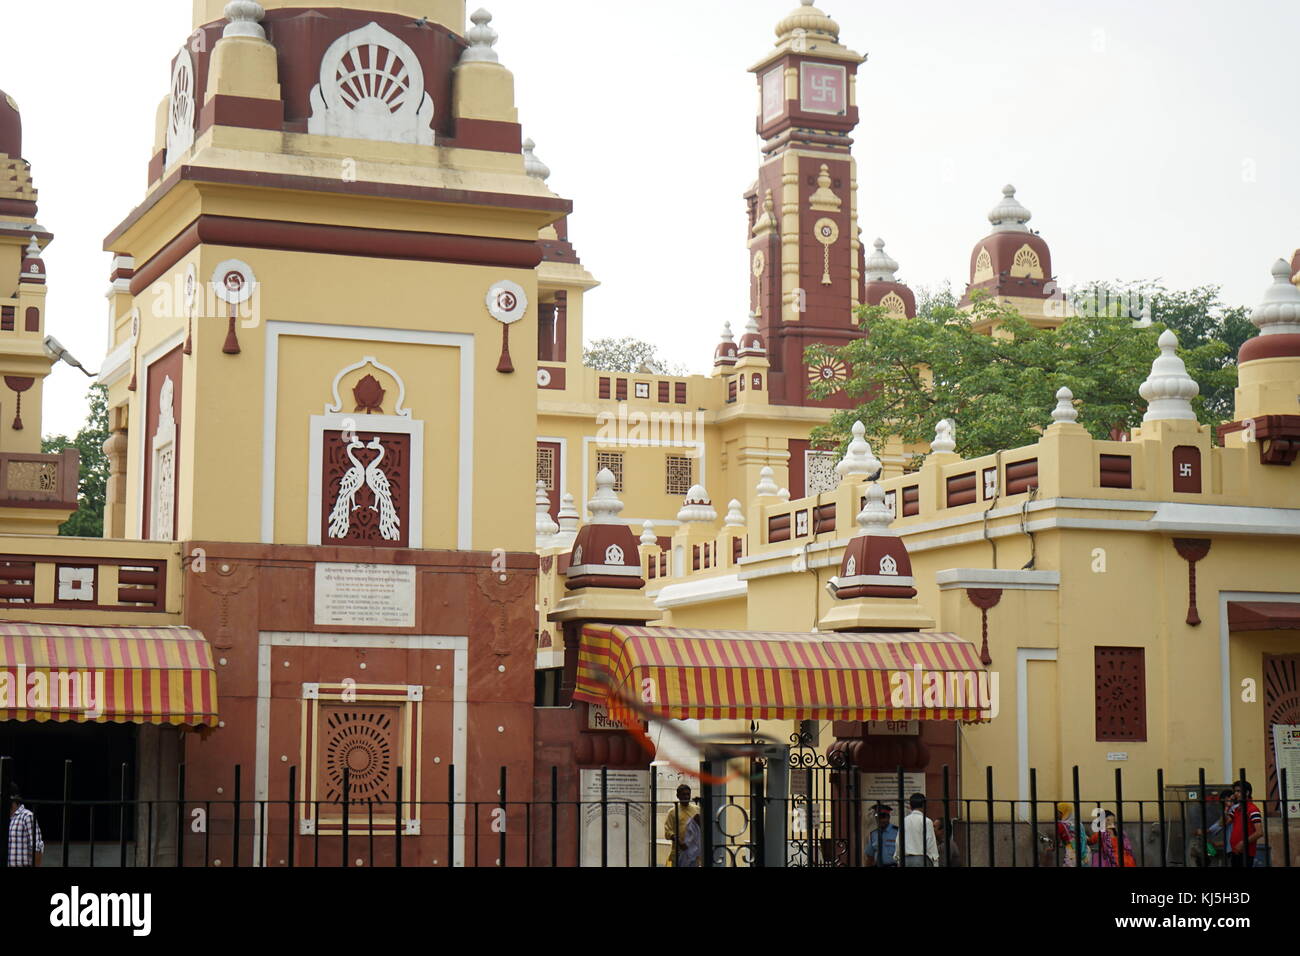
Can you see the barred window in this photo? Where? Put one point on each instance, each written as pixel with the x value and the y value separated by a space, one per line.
pixel 679 475
pixel 546 466
pixel 613 460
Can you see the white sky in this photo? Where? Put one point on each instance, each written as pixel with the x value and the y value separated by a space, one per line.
pixel 1150 140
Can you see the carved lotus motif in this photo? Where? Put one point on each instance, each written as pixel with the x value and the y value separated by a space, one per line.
pixel 369 396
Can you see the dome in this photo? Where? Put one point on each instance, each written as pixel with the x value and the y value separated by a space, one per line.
pixel 809 19
pixel 725 353
pixel 11 127
pixel 751 343
pixel 1010 215
pixel 1012 260
pixel 883 288
pixel 881 267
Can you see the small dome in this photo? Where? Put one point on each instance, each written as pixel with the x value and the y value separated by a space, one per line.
pixel 1010 215
pixel 532 165
pixel 752 343
pixel 725 353
pixel 11 127
pixel 881 267
pixel 1279 313
pixel 809 19
pixel 33 267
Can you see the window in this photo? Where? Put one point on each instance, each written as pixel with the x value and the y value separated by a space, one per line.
pixel 546 466
pixel 1121 696
pixel 613 460
pixel 819 474
pixel 679 475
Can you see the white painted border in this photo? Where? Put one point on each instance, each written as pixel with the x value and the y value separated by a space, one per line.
pixel 722 588
pixel 337 405
pixel 1229 773
pixel 173 341
pixel 1023 656
pixel 990 578
pixel 370 423
pixel 458 645
pixel 270 403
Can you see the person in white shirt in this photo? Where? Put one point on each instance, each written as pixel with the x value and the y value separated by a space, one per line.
pixel 917 836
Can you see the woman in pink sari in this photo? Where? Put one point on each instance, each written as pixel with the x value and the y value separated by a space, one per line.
pixel 1107 846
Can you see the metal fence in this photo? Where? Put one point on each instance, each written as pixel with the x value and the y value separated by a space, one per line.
pixel 821 818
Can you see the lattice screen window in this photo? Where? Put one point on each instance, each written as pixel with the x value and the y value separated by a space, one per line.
pixel 546 467
pixel 32 476
pixel 361 733
pixel 819 472
pixel 1121 695
pixel 613 460
pixel 679 475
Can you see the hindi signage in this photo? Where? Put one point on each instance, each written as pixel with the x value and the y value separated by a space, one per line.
pixel 365 595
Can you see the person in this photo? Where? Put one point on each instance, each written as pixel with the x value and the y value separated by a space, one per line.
pixel 1066 833
pixel 922 849
pixel 1245 826
pixel 952 853
pixel 26 847
pixel 1215 837
pixel 883 840
pixel 1110 844
pixel 682 827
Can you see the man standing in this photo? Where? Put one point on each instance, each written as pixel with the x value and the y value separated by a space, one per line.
pixel 1245 827
pixel 918 836
pixel 882 842
pixel 682 827
pixel 25 844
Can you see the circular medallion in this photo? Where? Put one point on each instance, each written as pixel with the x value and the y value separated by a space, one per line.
pixel 543 377
pixel 826 231
pixel 507 302
pixel 233 281
pixel 191 285
pixel 760 262
pixel 829 372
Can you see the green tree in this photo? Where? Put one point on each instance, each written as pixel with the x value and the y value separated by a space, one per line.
pixel 92 486
pixel 627 355
pixel 907 374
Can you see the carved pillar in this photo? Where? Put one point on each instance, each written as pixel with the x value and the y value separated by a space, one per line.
pixel 115 492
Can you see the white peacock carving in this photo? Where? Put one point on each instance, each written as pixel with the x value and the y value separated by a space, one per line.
pixel 389 524
pixel 372 87
pixel 346 503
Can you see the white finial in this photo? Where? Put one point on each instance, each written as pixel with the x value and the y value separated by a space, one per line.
pixel 698 507
pixel 945 438
pixel 33 249
pixel 766 484
pixel 1279 313
pixel 1009 215
pixel 858 460
pixel 482 38
pixel 1065 413
pixel 727 336
pixel 545 526
pixel 881 267
pixel 1169 390
pixel 784 494
pixel 751 327
pixel 876 517
pixel 648 537
pixel 245 18
pixel 568 517
pixel 604 504
pixel 735 517
pixel 532 165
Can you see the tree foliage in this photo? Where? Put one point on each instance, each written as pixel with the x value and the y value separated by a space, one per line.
pixel 908 374
pixel 92 486
pixel 627 355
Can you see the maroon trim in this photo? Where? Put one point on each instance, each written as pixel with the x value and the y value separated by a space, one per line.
pixel 32 319
pixel 260 180
pixel 1278 437
pixel 336 240
pixel 45 237
pixel 245 111
pixel 18 207
pixel 1263 616
pixel 798 466
pixel 157 166
pixel 491 135
pixel 559 378
pixel 1269 346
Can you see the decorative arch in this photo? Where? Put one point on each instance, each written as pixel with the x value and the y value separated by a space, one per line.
pixel 180 108
pixel 1026 263
pixel 372 87
pixel 336 406
pixel 894 305
pixel 983 267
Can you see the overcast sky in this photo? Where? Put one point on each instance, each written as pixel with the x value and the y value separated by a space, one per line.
pixel 1151 140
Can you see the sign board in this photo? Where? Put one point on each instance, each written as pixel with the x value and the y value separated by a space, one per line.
pixel 883 788
pixel 893 728
pixel 1117 755
pixel 598 719
pixel 627 818
pixel 365 595
pixel 1286 756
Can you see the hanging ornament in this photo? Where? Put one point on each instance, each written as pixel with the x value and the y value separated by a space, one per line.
pixel 827 233
pixel 234 283
pixel 507 302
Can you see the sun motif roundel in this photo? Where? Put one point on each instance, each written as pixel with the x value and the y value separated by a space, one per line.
pixel 830 371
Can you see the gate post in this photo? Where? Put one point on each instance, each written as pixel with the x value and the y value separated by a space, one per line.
pixel 776 805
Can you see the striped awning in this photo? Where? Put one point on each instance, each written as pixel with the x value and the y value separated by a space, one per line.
pixel 721 675
pixel 142 675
